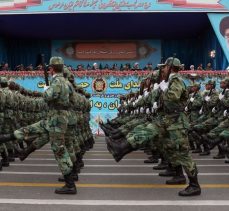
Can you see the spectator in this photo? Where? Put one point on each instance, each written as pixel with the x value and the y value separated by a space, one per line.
pixel 29 68
pixel 200 67
pixel 5 67
pixel 209 67
pixel 88 67
pixel 115 67
pixel 192 67
pixel 39 67
pixel 136 66
pixel 148 67
pixel 80 67
pixel 95 66
pixel 106 67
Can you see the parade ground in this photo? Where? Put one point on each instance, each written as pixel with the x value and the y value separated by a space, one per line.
pixel 106 185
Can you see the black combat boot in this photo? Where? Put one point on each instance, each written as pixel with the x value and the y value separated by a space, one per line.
pixel 193 189
pixel 69 187
pixel 79 157
pixel 11 155
pixel 23 154
pixel 197 150
pixel 74 174
pixel 206 150
pixel 119 149
pixel 106 131
pixel 169 172
pixel 192 146
pixel 220 154
pixel 162 165
pixel 152 159
pixel 117 135
pixel 5 160
pixel 4 138
pixel 179 177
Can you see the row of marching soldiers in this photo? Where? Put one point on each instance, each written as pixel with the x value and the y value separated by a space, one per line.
pixel 167 120
pixel 59 116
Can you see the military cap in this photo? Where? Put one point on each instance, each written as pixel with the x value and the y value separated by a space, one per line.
pixel 210 82
pixel 226 80
pixel 195 85
pixel 171 61
pixel 56 60
pixel 3 80
pixel 224 25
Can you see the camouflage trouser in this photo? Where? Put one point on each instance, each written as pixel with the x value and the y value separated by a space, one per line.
pixel 214 133
pixel 206 125
pixel 2 146
pixel 8 127
pixel 53 130
pixel 69 142
pixel 125 129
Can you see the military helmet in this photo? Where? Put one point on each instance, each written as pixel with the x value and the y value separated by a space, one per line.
pixel 3 80
pixel 195 85
pixel 56 60
pixel 211 82
pixel 226 80
pixel 171 61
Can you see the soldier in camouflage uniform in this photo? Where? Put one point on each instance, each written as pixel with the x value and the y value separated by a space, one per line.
pixel 3 150
pixel 171 128
pixel 55 126
pixel 208 120
pixel 192 108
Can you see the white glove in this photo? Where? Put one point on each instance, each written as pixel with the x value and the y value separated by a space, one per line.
pixel 155 105
pixel 125 103
pixel 146 93
pixel 134 103
pixel 126 111
pixel 221 96
pixel 214 110
pixel 147 111
pixel 139 97
pixel 156 86
pixel 128 101
pixel 191 99
pixel 164 85
pixel 225 113
pixel 201 111
pixel 45 87
pixel 207 98
pixel 141 109
pixel 186 108
pixel 137 111
pixel 152 110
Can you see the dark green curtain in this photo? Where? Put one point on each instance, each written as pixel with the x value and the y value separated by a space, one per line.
pixel 196 50
pixel 27 52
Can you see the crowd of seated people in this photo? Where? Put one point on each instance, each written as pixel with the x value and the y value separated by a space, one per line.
pixel 4 66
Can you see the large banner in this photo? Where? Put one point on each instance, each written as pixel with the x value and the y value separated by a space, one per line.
pixel 108 52
pixel 79 6
pixel 220 23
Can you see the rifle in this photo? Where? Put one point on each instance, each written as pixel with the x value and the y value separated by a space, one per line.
pixel 46 75
pixel 170 68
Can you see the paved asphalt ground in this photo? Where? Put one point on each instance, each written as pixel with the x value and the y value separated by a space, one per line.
pixel 105 185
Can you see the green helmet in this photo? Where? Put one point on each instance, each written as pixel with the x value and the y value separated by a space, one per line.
pixel 211 82
pixel 171 61
pixel 3 80
pixel 226 80
pixel 56 60
pixel 195 85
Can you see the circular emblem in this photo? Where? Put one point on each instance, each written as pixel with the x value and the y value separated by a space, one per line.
pixel 99 85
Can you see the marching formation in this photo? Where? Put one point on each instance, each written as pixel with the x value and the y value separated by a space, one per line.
pixel 166 119
pixel 59 116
